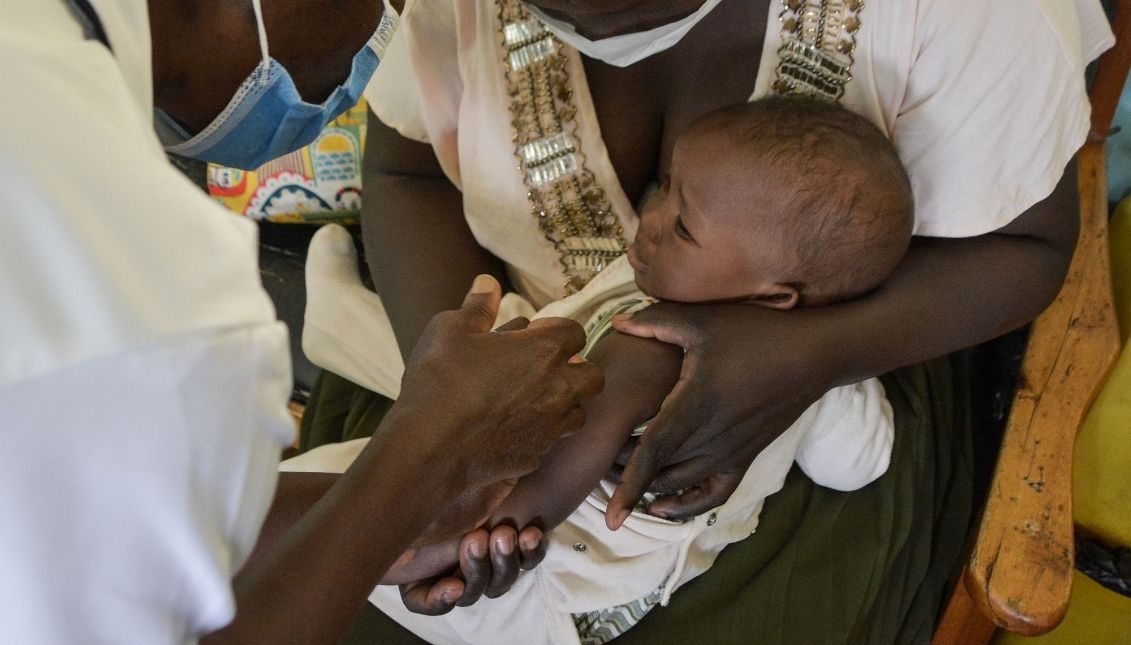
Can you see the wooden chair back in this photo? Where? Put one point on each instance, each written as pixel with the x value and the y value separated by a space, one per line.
pixel 1019 574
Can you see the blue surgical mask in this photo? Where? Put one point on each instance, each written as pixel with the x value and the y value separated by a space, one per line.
pixel 267 118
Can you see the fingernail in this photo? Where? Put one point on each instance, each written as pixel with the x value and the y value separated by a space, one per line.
pixel 622 516
pixel 475 549
pixel 529 542
pixel 505 545
pixel 577 358
pixel 622 317
pixel 449 596
pixel 483 284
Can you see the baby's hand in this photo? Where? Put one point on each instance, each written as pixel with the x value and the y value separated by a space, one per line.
pixel 489 563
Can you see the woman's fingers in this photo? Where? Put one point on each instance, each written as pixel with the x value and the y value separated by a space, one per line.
pixel 672 325
pixel 434 597
pixel 698 499
pixel 665 434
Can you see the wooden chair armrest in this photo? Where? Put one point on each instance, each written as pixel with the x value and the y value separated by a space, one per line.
pixel 1020 571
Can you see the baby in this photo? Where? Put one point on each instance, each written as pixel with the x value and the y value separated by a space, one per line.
pixel 779 203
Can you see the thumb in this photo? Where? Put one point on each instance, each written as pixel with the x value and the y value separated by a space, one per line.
pixel 655 322
pixel 481 304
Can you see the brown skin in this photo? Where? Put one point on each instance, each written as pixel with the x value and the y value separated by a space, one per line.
pixel 702 236
pixel 492 432
pixel 204 49
pixel 638 375
pixel 941 298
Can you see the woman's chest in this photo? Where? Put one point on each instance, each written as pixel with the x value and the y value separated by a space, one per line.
pixel 642 109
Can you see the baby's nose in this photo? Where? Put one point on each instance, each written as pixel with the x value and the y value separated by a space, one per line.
pixel 649 230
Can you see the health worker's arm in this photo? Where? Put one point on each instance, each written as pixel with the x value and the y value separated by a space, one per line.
pixel 507 397
pixel 638 375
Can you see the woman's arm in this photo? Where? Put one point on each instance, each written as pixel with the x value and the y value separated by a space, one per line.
pixel 420 250
pixel 749 372
pixel 638 375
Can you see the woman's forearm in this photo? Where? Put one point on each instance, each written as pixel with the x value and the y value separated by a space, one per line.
pixel 420 250
pixel 954 293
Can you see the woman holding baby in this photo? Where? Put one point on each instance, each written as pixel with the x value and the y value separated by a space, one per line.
pixel 518 138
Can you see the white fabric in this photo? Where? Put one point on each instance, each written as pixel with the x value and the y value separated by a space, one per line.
pixel 143 377
pixel 346 329
pixel 843 441
pixel 984 100
pixel 647 552
pixel 625 49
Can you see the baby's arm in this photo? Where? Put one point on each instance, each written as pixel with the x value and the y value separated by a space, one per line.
pixel 639 373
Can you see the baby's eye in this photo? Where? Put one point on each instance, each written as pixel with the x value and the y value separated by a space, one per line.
pixel 681 230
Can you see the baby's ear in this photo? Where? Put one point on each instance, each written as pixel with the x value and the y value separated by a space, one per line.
pixel 778 296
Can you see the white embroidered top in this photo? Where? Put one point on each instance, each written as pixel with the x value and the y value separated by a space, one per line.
pixel 984 100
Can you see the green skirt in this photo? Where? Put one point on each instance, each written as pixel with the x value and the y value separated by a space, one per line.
pixel 871 566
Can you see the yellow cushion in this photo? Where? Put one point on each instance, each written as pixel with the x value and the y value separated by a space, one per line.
pixel 1096 616
pixel 1101 480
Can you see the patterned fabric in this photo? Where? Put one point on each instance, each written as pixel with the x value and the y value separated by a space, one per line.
pixel 599 627
pixel 571 207
pixel 319 183
pixel 603 325
pixel 818 38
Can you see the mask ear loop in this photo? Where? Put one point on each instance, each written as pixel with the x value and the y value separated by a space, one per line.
pixel 258 7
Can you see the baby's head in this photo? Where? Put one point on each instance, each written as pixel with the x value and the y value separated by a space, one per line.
pixel 780 202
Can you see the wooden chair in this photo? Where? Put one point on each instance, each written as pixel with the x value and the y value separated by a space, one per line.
pixel 1019 573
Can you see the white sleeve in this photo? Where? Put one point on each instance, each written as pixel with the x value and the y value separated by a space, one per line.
pixel 134 486
pixel 994 108
pixel 143 377
pixel 418 87
pixel 848 444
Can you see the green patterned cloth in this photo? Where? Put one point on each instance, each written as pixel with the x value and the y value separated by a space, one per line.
pixel 867 567
pixel 600 627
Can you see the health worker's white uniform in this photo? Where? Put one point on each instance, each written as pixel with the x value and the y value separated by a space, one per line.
pixel 143 376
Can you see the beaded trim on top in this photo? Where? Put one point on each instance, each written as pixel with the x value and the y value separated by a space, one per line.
pixel 572 209
pixel 818 38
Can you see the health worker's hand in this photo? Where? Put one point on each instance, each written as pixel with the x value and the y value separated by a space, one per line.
pixel 492 403
pixel 748 373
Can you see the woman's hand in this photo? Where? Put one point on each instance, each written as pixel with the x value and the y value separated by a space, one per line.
pixel 748 373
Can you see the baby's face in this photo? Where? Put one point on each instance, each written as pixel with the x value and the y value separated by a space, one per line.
pixel 699 237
